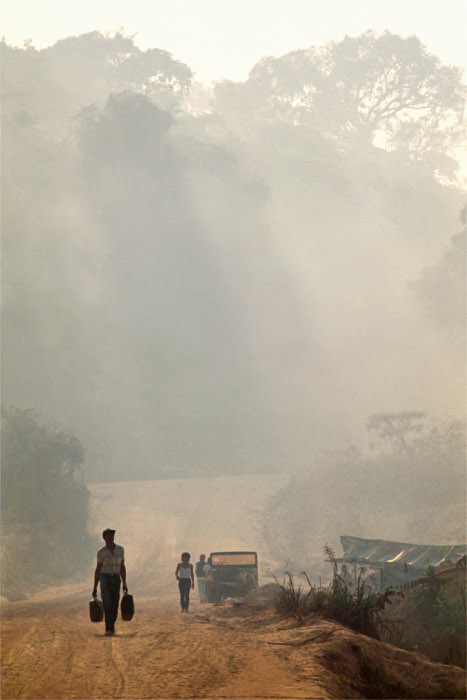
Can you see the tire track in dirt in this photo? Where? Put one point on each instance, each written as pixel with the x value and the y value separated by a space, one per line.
pixel 112 682
pixel 21 657
pixel 53 651
pixel 160 654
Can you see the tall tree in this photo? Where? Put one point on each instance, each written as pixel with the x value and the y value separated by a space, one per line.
pixel 48 87
pixel 397 429
pixel 375 88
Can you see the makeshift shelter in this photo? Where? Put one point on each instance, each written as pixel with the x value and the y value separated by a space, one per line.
pixel 394 563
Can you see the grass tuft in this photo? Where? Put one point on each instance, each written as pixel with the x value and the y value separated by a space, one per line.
pixel 359 607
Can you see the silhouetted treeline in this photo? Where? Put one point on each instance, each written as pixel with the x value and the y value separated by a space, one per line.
pixel 230 279
pixel 44 505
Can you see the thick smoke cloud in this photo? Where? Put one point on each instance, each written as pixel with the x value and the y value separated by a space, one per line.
pixel 226 291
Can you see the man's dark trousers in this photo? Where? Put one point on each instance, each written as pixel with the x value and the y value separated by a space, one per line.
pixel 110 592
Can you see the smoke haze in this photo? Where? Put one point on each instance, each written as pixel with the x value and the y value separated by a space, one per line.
pixel 224 288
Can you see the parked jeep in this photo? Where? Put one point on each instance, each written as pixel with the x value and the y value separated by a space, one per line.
pixel 231 574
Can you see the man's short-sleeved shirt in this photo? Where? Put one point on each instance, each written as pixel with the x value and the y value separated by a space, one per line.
pixel 111 563
pixel 199 569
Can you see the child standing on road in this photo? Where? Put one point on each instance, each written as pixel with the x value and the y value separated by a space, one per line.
pixel 186 580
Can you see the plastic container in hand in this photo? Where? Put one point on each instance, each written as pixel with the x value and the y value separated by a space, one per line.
pixel 96 610
pixel 127 606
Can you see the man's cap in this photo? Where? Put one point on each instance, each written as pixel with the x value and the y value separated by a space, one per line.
pixel 107 531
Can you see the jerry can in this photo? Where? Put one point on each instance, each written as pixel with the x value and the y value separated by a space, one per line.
pixel 127 607
pixel 96 610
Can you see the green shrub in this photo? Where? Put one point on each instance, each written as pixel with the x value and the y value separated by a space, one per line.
pixel 360 608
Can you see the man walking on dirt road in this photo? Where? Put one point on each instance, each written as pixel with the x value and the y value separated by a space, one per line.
pixel 109 570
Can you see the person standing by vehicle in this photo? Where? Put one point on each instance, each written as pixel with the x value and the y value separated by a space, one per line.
pixel 186 580
pixel 109 570
pixel 213 589
pixel 200 571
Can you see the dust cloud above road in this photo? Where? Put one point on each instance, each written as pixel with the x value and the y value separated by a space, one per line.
pixel 158 520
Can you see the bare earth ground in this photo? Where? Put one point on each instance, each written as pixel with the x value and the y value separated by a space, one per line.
pixel 50 649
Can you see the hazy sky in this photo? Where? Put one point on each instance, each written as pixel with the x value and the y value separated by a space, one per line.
pixel 225 38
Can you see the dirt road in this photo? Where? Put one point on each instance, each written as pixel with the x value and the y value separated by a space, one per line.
pixel 52 650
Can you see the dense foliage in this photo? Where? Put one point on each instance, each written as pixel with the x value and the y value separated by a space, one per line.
pixel 44 504
pixel 429 617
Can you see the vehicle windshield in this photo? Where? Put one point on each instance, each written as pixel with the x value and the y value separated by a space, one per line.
pixel 246 559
